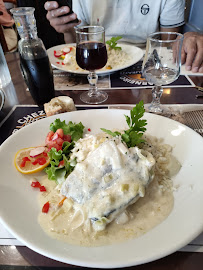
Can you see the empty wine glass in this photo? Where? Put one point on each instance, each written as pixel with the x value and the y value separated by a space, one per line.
pixel 91 55
pixel 162 64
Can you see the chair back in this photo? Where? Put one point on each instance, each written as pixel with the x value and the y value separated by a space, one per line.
pixel 195 18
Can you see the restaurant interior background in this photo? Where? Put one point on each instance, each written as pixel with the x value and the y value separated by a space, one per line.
pixel 50 38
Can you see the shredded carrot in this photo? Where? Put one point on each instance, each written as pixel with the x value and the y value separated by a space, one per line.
pixel 61 202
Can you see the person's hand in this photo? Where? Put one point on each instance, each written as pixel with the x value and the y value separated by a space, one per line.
pixel 192 52
pixel 60 24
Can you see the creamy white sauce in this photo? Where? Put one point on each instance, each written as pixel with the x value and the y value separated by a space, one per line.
pixel 108 180
pixel 145 214
pixel 72 221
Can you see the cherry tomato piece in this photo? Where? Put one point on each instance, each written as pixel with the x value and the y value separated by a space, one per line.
pixel 24 160
pixel 45 207
pixel 67 138
pixel 42 189
pixel 36 184
pixel 61 163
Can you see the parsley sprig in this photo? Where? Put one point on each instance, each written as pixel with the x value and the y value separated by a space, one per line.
pixel 133 135
pixel 113 43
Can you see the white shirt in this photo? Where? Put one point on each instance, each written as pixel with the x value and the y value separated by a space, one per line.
pixel 134 20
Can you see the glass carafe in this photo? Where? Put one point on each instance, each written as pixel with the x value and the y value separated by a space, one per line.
pixel 34 61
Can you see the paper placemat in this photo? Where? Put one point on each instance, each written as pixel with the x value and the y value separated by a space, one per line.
pixel 23 115
pixel 127 78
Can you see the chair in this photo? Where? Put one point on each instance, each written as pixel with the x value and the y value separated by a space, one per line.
pixel 2 36
pixel 194 22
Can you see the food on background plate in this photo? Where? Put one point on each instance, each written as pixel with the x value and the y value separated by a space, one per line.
pixel 116 56
pixel 96 180
pixel 58 105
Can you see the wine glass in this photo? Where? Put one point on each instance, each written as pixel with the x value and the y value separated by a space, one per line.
pixel 162 64
pixel 91 54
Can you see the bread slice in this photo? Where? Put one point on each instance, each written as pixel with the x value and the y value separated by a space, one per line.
pixel 59 104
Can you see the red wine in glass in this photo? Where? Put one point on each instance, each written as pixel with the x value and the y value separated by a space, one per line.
pixel 91 55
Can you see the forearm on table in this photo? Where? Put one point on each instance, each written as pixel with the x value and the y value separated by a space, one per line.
pixel 174 29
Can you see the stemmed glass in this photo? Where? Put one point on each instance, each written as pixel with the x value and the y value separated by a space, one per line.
pixel 161 65
pixel 91 55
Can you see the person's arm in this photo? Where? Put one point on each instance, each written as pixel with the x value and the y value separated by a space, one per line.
pixel 61 24
pixel 174 29
pixel 172 16
pixel 192 51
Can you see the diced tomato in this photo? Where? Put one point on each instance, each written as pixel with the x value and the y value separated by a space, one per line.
pixel 24 160
pixel 36 184
pixel 55 145
pixel 58 63
pixel 61 163
pixel 55 136
pixel 58 134
pixel 63 64
pixel 49 137
pixel 45 154
pixel 58 147
pixel 45 207
pixel 56 139
pixel 89 129
pixel 59 141
pixel 67 138
pixel 40 161
pixel 58 53
pixel 34 162
pixel 43 189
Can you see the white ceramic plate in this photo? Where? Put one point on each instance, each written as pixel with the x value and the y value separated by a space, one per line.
pixel 19 207
pixel 135 55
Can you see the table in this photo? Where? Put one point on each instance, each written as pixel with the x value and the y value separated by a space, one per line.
pixel 20 257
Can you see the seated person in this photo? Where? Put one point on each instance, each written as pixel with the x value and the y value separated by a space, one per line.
pixel 117 18
pixel 7 22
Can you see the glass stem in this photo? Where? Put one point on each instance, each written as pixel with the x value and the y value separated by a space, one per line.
pixel 156 95
pixel 92 79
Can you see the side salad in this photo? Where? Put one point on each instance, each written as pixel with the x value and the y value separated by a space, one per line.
pixel 54 157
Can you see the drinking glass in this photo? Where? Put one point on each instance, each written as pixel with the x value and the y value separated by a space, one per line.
pixel 161 65
pixel 91 54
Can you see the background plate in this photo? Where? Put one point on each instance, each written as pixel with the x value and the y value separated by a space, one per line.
pixel 135 55
pixel 19 208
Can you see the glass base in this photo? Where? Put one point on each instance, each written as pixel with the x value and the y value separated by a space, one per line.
pixel 97 98
pixel 155 109
pixel 160 110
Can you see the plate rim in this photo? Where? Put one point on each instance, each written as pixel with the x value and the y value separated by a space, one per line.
pixel 99 73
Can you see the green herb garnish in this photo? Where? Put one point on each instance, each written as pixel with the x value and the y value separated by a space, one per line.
pixel 75 130
pixel 113 43
pixel 133 135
